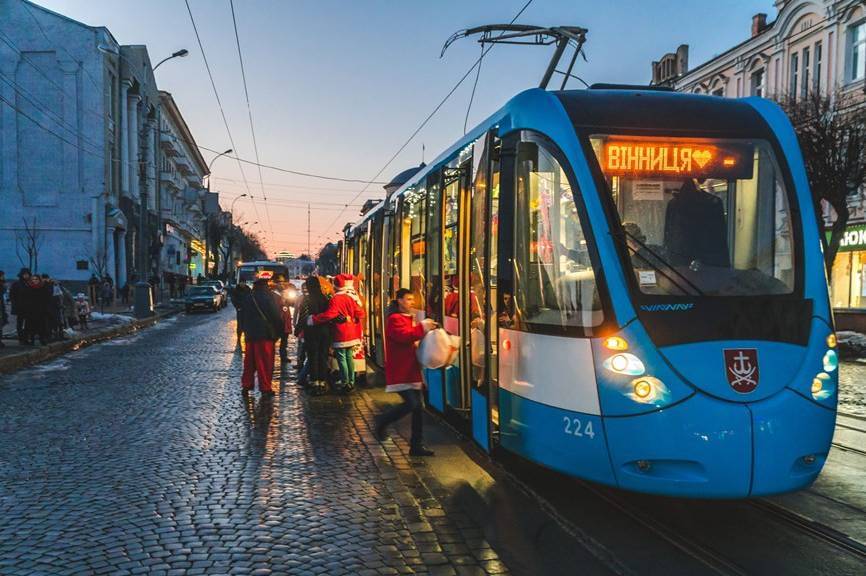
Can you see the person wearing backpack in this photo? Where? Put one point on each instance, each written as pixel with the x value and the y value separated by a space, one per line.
pixel 402 371
pixel 261 323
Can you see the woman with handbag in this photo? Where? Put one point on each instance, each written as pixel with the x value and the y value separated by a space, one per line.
pixel 261 323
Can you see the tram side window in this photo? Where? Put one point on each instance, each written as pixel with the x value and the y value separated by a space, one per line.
pixel 414 244
pixel 433 306
pixel 554 279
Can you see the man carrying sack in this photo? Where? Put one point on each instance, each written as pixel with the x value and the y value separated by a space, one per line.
pixel 402 371
pixel 261 324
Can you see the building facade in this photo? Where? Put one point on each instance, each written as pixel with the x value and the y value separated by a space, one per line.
pixel 99 174
pixel 182 195
pixel 811 45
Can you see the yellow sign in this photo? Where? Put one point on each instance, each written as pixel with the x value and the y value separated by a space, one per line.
pixel 671 159
pixel 691 159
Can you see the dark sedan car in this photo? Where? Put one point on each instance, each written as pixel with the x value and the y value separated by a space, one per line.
pixel 202 298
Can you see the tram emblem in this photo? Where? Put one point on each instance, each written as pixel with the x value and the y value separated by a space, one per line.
pixel 741 368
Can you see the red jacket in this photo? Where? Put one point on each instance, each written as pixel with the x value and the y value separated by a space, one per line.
pixel 402 370
pixel 344 334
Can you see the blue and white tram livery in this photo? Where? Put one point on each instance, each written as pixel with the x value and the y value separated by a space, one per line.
pixel 637 281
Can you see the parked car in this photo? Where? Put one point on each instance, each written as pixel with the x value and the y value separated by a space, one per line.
pixel 221 288
pixel 202 298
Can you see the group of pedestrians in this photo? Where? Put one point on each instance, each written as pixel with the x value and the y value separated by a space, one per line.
pixel 43 309
pixel 329 320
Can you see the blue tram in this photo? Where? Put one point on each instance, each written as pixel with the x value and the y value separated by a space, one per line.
pixel 637 283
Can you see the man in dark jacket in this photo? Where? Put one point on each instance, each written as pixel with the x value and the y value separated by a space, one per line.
pixel 19 298
pixel 261 323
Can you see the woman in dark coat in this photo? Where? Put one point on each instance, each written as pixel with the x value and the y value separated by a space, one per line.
pixel 317 339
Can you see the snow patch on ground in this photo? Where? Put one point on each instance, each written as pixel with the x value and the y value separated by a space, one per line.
pixel 110 318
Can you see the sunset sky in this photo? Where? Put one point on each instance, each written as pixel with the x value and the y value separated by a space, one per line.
pixel 337 86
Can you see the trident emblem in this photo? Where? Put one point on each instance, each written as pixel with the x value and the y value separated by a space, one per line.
pixel 741 368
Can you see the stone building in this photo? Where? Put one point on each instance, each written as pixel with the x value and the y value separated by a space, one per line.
pixel 82 151
pixel 182 169
pixel 810 45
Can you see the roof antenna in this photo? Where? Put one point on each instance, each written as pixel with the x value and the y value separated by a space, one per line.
pixel 422 152
pixel 525 34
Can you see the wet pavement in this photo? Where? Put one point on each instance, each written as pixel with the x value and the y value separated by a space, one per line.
pixel 852 387
pixel 139 456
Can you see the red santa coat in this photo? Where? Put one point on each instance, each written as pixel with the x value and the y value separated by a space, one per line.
pixel 402 371
pixel 343 334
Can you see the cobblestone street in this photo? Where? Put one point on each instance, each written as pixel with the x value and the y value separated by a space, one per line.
pixel 139 455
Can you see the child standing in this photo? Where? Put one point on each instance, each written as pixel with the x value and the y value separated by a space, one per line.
pixel 82 310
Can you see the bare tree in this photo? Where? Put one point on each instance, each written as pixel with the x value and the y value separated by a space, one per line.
pixel 831 129
pixel 28 243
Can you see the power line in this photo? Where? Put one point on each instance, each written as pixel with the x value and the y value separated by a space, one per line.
pixel 49 130
pixel 220 105
pixel 426 120
pixel 62 47
pixel 250 111
pixel 296 172
pixel 46 110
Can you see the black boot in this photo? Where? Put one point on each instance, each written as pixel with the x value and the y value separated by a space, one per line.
pixel 420 451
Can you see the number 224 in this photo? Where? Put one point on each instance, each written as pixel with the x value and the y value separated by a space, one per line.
pixel 575 427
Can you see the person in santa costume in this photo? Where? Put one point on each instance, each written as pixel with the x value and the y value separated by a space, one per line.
pixel 345 315
pixel 402 371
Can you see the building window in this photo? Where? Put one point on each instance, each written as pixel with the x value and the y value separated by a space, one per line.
pixel 804 85
pixel 819 57
pixel 795 68
pixel 857 51
pixel 720 91
pixel 756 83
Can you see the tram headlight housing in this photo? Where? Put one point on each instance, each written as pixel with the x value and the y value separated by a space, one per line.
pixel 648 390
pixel 625 363
pixel 831 340
pixel 615 343
pixel 822 386
pixel 830 361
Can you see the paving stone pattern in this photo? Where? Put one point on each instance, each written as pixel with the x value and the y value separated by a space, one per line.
pixel 139 456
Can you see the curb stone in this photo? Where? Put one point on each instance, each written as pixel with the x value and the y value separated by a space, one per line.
pixel 14 362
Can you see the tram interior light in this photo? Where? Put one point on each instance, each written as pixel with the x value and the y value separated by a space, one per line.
pixel 625 363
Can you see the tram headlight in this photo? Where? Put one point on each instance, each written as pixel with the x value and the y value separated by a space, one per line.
pixel 648 390
pixel 831 361
pixel 831 340
pixel 615 343
pixel 625 363
pixel 822 386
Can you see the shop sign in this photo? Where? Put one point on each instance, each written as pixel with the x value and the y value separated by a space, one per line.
pixel 853 239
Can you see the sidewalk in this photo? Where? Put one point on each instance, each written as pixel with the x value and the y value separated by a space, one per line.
pixel 104 323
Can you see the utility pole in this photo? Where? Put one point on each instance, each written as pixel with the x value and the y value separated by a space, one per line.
pixel 308 231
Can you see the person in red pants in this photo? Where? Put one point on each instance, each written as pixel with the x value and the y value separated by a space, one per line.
pixel 262 324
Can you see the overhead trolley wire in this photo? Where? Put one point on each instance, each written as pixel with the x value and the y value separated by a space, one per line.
pixel 424 123
pixel 250 113
pixel 220 105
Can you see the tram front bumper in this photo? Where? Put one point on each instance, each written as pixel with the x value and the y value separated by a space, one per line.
pixel 708 448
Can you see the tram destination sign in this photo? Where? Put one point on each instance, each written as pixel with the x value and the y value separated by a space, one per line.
pixel 677 159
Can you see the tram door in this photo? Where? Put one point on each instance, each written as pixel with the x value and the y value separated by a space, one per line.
pixel 478 304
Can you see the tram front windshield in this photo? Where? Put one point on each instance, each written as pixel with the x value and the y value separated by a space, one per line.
pixel 701 217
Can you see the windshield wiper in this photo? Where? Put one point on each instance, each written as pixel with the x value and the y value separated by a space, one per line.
pixel 656 267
